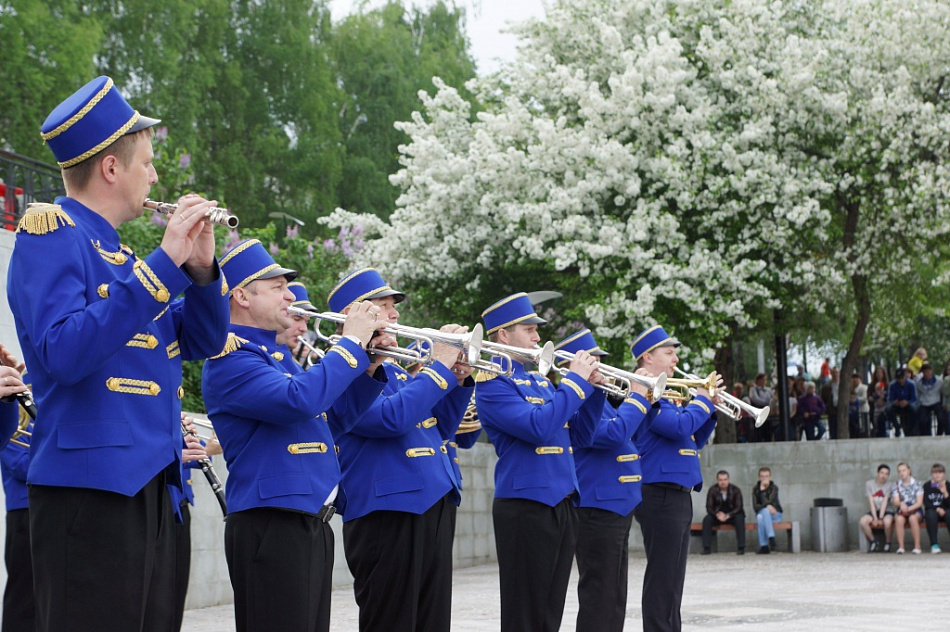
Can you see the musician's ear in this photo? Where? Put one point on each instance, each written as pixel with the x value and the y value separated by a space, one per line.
pixel 239 296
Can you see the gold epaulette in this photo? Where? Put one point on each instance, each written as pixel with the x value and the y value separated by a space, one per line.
pixel 234 343
pixel 484 376
pixel 42 219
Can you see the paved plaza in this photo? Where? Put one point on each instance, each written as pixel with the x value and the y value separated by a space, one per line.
pixel 830 592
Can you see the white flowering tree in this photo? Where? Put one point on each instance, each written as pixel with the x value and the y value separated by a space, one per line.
pixel 695 163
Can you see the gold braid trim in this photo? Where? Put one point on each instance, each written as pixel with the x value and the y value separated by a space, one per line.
pixel 115 258
pixel 534 400
pixel 414 452
pixel 307 448
pixel 144 341
pixel 549 449
pixel 630 400
pixel 577 389
pixel 151 282
pixel 161 313
pixel 350 360
pixel 42 219
pixel 702 405
pixel 224 285
pixel 277 355
pixel 233 343
pixel 629 479
pixel 173 350
pixel 133 387
pixel 623 458
pixel 95 150
pixel 438 379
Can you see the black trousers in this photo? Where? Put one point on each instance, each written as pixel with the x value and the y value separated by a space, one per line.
pixel 738 521
pixel 930 517
pixel 535 546
pixel 281 568
pixel 182 562
pixel 19 614
pixel 402 568
pixel 664 516
pixel 103 561
pixel 603 541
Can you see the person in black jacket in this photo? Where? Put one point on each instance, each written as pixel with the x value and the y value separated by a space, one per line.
pixel 768 509
pixel 724 506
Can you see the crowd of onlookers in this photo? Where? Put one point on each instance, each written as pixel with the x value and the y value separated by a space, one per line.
pixel 915 401
pixel 905 503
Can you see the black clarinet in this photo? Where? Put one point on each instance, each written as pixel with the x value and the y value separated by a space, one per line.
pixel 26 400
pixel 211 475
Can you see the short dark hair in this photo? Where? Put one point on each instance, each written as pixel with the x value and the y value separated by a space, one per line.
pixel 493 336
pixel 883 466
pixel 78 176
pixel 938 467
pixel 721 472
pixel 765 468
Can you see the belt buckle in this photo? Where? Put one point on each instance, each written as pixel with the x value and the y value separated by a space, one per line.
pixel 326 512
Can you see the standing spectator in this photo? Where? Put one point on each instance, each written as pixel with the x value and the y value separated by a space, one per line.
pixel 724 506
pixel 936 503
pixel 916 363
pixel 881 377
pixel 860 391
pixel 811 408
pixel 928 401
pixel 902 403
pixel 908 498
pixel 794 419
pixel 768 509
pixel 829 395
pixel 945 397
pixel 880 410
pixel 825 371
pixel 745 423
pixel 761 396
pixel 879 491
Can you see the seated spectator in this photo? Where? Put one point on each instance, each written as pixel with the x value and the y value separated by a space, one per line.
pixel 928 401
pixel 724 506
pixel 860 391
pixel 945 397
pixel 879 491
pixel 936 503
pixel 768 509
pixel 879 399
pixel 908 497
pixel 881 377
pixel 810 409
pixel 916 364
pixel 901 405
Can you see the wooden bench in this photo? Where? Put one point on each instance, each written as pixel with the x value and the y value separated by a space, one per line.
pixel 793 528
pixel 879 536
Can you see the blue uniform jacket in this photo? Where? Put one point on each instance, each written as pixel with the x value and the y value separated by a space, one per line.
pixel 608 472
pixel 394 457
pixel 272 422
pixel 670 439
pixel 14 460
pixel 533 427
pixel 104 341
pixel 464 440
pixel 8 421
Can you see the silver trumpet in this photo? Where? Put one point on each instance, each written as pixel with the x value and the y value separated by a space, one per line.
pixel 216 215
pixel 542 356
pixel 617 381
pixel 468 344
pixel 731 405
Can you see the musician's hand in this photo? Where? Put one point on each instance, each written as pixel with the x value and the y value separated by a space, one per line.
pixel 213 447
pixel 583 364
pixel 8 359
pixel 189 239
pixel 193 451
pixel 596 377
pixel 379 341
pixel 447 354
pixel 10 382
pixel 462 371
pixel 362 320
pixel 639 389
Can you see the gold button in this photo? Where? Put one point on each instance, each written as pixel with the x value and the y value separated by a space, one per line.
pixel 103 290
pixel 162 295
pixel 151 341
pixel 154 388
pixel 181 392
pixel 112 384
pixel 120 258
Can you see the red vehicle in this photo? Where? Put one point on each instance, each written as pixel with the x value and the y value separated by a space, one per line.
pixel 10 204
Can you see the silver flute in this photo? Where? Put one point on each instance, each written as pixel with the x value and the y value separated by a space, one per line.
pixel 216 215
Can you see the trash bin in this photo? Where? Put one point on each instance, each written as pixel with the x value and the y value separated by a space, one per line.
pixel 829 525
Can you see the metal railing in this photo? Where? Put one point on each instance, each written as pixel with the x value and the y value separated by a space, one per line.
pixel 24 180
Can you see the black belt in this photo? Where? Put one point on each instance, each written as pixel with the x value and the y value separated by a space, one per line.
pixel 679 488
pixel 326 512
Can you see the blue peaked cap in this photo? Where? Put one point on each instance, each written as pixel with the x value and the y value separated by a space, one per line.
pixel 651 339
pixel 250 261
pixel 301 298
pixel 513 310
pixel 361 285
pixel 582 339
pixel 90 120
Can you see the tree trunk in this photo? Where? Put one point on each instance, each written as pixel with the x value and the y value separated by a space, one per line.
pixel 862 301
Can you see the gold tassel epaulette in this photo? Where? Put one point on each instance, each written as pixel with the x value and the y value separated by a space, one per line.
pixel 234 343
pixel 484 376
pixel 42 219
